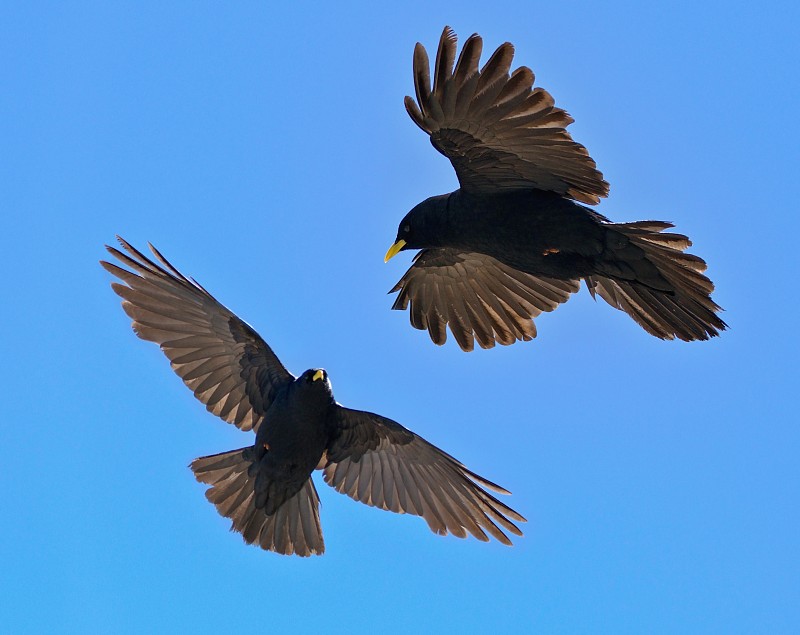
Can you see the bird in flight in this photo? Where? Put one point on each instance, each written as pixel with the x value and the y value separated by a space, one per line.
pixel 517 238
pixel 266 488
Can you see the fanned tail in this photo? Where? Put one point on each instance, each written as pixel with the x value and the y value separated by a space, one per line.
pixel 682 307
pixel 294 528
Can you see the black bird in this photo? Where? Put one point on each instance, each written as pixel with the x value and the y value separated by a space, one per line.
pixel 266 489
pixel 514 240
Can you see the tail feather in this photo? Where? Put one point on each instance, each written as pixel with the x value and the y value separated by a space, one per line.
pixel 686 310
pixel 294 528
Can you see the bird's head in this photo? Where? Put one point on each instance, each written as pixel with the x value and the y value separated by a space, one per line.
pixel 315 381
pixel 421 227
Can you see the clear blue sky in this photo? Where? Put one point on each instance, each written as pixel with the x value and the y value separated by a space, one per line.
pixel 265 150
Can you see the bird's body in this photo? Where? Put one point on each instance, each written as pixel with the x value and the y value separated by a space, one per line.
pixel 292 439
pixel 515 239
pixel 531 230
pixel 266 488
pixel 538 232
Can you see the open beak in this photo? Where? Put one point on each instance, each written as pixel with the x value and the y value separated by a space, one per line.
pixel 320 374
pixel 394 250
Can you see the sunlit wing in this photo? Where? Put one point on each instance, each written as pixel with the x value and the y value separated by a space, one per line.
pixel 498 131
pixel 478 297
pixel 219 357
pixel 380 463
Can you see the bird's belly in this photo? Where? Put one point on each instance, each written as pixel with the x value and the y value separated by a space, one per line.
pixel 294 454
pixel 294 445
pixel 535 254
pixel 534 232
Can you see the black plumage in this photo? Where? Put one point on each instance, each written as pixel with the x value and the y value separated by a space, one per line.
pixel 266 489
pixel 514 240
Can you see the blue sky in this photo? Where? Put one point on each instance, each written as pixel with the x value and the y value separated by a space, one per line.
pixel 267 153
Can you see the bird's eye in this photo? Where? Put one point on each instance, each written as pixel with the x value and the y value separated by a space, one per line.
pixel 406 228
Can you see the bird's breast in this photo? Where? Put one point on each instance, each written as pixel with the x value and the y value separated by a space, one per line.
pixel 293 435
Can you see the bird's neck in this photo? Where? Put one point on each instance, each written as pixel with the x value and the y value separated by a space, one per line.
pixel 440 221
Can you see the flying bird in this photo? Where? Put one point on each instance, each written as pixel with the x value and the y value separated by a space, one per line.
pixel 266 488
pixel 517 237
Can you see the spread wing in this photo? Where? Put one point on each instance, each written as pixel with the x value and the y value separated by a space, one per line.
pixel 477 296
pixel 220 358
pixel 379 462
pixel 497 130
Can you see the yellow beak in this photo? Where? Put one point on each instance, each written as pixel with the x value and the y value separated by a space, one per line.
pixel 320 374
pixel 394 250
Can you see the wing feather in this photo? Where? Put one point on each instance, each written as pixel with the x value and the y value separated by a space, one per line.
pixel 380 463
pixel 477 296
pixel 218 356
pixel 497 130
